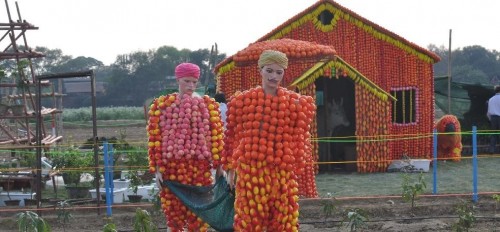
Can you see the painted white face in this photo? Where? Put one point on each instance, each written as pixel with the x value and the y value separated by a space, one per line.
pixel 187 85
pixel 271 76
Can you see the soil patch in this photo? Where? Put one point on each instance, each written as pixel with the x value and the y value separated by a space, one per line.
pixel 384 214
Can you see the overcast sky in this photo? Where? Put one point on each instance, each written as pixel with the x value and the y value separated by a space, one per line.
pixel 103 29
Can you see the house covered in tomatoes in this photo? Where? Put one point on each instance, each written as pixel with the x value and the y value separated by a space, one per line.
pixel 373 88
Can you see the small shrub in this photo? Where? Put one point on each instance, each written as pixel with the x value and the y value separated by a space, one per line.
pixel 496 197
pixel 30 222
pixel 63 215
pixel 329 206
pixel 355 219
pixel 156 200
pixel 110 226
pixel 412 190
pixel 143 221
pixel 72 162
pixel 466 217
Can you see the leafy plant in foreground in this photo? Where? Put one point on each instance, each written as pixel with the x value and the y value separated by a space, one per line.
pixel 329 205
pixel 155 199
pixel 143 221
pixel 355 219
pixel 466 217
pixel 412 190
pixel 110 226
pixel 63 215
pixel 496 197
pixel 30 222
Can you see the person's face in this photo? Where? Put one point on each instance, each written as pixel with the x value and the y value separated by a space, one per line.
pixel 187 85
pixel 271 76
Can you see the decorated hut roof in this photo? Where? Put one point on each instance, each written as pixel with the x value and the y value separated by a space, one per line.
pixel 322 57
pixel 294 49
pixel 313 13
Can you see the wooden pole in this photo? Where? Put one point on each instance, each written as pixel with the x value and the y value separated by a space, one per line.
pixel 449 75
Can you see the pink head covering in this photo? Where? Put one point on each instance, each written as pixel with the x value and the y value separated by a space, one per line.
pixel 187 70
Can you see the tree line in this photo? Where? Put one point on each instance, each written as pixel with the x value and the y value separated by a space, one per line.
pixel 469 65
pixel 130 79
pixel 141 75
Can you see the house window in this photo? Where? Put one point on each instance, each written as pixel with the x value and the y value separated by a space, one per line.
pixel 325 17
pixel 404 109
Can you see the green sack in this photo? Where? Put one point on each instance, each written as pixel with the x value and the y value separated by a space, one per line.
pixel 214 203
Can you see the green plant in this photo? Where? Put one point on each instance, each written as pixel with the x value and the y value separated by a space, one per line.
pixel 412 190
pixel 329 205
pixel 110 226
pixel 155 199
pixel 143 221
pixel 466 217
pixel 72 163
pixel 84 114
pixel 496 197
pixel 355 219
pixel 20 72
pixel 137 162
pixel 29 221
pixel 135 180
pixel 63 215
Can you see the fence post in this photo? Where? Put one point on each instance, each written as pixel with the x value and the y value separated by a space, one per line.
pixel 434 162
pixel 107 179
pixel 111 171
pixel 474 164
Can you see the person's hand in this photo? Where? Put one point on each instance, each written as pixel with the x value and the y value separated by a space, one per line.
pixel 220 172
pixel 159 179
pixel 230 179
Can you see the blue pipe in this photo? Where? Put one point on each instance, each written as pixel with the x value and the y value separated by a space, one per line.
pixel 107 179
pixel 474 164
pixel 111 171
pixel 434 162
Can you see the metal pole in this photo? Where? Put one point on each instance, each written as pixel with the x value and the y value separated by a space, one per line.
pixel 434 163
pixel 96 147
pixel 449 75
pixel 107 179
pixel 474 164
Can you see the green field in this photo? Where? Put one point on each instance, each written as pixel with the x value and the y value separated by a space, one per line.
pixel 452 178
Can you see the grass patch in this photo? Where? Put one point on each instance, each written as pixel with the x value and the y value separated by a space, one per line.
pixel 105 124
pixel 452 177
pixel 103 113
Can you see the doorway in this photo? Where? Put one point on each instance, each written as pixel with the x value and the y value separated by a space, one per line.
pixel 335 116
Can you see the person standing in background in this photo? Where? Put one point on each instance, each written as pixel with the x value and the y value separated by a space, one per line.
pixel 221 99
pixel 494 117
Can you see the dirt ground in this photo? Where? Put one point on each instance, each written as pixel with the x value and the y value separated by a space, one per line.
pixel 383 214
pixel 134 133
pixel 389 214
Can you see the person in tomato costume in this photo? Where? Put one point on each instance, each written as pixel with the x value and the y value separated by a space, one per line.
pixel 185 139
pixel 266 145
